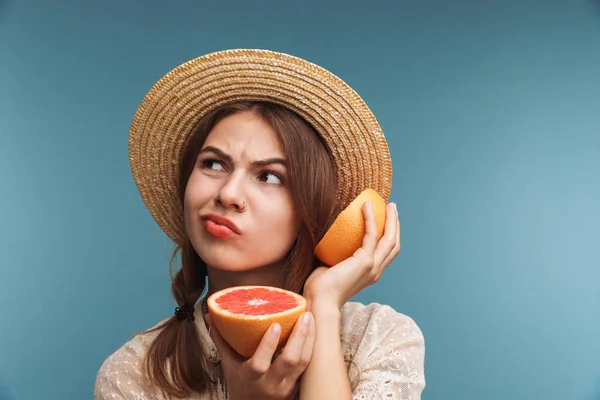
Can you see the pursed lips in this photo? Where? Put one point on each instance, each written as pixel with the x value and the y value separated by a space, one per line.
pixel 220 220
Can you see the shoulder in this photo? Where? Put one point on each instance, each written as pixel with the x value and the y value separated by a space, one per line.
pixel 121 375
pixel 370 324
pixel 384 351
pixel 354 311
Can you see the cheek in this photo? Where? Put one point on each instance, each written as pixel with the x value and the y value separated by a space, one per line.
pixel 188 200
pixel 193 198
pixel 187 212
pixel 197 190
pixel 282 226
pixel 291 227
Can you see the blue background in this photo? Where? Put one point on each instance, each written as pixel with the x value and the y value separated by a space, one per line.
pixel 492 112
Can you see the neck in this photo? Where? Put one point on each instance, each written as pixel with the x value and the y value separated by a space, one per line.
pixel 219 279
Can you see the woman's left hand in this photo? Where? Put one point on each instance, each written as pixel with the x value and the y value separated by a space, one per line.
pixel 338 284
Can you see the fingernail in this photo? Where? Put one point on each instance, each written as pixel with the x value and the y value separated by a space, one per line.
pixel 369 206
pixel 306 318
pixel 276 330
pixel 396 208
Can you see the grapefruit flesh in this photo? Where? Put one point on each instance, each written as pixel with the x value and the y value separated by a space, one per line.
pixel 346 234
pixel 243 314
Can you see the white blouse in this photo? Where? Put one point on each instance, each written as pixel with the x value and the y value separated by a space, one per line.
pixel 383 349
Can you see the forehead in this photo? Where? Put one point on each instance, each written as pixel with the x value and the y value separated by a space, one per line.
pixel 245 133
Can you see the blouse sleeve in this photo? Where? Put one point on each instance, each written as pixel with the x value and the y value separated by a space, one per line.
pixel 120 376
pixel 388 362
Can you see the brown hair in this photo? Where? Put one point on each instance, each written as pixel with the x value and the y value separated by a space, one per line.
pixel 311 179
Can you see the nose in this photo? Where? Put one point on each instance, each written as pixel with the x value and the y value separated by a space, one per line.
pixel 231 194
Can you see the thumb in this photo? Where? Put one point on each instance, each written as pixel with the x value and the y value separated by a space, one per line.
pixel 228 355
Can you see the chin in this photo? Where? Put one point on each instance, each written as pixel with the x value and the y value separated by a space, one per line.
pixel 235 264
pixel 226 262
pixel 230 266
pixel 229 258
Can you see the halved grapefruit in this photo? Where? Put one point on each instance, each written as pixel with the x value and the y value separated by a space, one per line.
pixel 346 234
pixel 242 314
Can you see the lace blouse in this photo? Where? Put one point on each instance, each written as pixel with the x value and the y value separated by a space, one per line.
pixel 384 353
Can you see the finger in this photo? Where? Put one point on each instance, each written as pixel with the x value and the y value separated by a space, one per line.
pixel 294 392
pixel 307 350
pixel 260 362
pixel 398 245
pixel 370 237
pixel 228 355
pixel 364 254
pixel 388 240
pixel 398 232
pixel 290 359
pixel 396 250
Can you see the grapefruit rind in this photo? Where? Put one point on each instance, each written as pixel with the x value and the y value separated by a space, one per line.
pixel 244 332
pixel 345 235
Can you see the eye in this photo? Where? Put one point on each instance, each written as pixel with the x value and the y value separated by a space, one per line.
pixel 271 178
pixel 211 164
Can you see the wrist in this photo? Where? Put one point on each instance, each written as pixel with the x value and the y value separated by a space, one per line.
pixel 325 310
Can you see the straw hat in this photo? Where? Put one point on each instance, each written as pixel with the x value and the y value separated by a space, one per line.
pixel 173 106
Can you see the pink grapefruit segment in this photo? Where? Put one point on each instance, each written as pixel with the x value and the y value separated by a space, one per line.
pixel 257 301
pixel 243 314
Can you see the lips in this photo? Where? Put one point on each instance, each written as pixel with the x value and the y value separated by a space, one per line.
pixel 217 223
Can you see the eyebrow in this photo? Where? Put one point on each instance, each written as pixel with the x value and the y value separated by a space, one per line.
pixel 227 157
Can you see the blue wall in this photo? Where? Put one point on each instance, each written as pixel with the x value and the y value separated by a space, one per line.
pixel 492 111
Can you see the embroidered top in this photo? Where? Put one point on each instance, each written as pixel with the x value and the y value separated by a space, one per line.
pixel 384 353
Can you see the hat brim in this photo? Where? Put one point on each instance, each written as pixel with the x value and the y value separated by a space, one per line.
pixel 172 108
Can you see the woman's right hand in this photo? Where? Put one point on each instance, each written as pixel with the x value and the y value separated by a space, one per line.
pixel 257 377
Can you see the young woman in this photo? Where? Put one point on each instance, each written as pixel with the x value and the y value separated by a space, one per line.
pixel 245 158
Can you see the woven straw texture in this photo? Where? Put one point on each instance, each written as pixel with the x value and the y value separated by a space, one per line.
pixel 174 105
